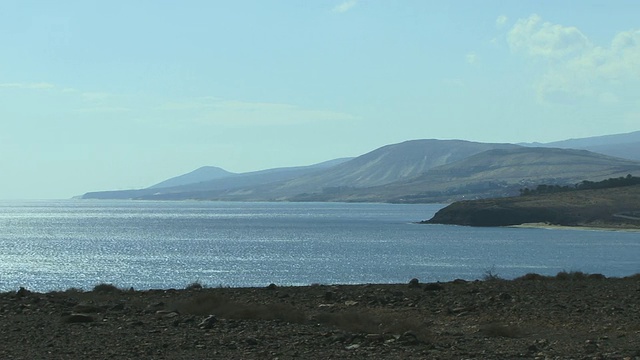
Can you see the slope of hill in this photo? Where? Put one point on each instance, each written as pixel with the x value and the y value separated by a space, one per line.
pixel 204 173
pixel 194 183
pixel 411 171
pixel 395 162
pixel 493 173
pixel 612 208
pixel 626 146
pixel 378 167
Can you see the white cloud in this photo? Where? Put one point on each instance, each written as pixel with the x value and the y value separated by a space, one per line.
pixel 574 68
pixel 36 86
pixel 472 58
pixel 501 21
pixel 95 96
pixel 212 110
pixel 103 109
pixel 345 6
pixel 543 39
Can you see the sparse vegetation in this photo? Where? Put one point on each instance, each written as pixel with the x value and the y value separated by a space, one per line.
pixel 491 275
pixel 532 277
pixel 628 180
pixel 196 285
pixel 106 288
pixel 616 208
pixel 209 304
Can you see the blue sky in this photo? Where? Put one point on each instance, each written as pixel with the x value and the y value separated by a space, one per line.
pixel 101 95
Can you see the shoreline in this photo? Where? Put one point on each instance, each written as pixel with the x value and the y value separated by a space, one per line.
pixel 107 287
pixel 576 227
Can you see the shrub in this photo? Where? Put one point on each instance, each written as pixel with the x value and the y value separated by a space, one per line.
pixel 371 322
pixel 491 275
pixel 532 277
pixel 209 304
pixel 106 288
pixel 571 276
pixel 196 285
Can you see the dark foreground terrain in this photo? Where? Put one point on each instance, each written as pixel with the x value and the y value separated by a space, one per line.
pixel 570 316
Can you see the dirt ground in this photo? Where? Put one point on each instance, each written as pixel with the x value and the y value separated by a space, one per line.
pixel 569 316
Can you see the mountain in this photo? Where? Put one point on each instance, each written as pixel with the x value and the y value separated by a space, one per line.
pixel 381 166
pixel 204 173
pixel 626 146
pixel 493 173
pixel 218 180
pixel 412 171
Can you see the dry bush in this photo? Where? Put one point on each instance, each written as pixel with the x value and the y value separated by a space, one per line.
pixel 491 275
pixel 633 277
pixel 106 288
pixel 282 312
pixel 372 322
pixel 196 285
pixel 501 330
pixel 73 290
pixel 596 277
pixel 571 276
pixel 352 321
pixel 532 277
pixel 210 304
pixel 206 304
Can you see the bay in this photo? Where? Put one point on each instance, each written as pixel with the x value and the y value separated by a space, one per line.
pixel 55 245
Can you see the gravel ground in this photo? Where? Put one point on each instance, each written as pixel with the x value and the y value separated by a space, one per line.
pixel 570 316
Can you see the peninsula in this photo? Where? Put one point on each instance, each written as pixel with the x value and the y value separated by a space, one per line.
pixel 595 205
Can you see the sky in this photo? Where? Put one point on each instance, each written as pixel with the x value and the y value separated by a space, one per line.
pixel 112 95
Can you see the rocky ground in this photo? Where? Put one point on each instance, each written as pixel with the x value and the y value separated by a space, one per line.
pixel 570 316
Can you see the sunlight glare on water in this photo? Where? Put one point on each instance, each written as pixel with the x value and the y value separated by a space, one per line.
pixel 53 245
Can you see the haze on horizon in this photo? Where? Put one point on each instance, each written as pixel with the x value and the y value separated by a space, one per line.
pixel 125 94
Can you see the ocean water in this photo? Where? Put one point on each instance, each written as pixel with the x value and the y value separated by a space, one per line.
pixel 55 245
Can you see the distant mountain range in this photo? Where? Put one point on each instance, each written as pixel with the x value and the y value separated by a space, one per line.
pixel 412 171
pixel 626 146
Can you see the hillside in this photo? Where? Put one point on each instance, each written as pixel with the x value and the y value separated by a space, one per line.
pixel 212 179
pixel 416 171
pixel 493 173
pixel 381 166
pixel 205 173
pixel 612 208
pixel 626 146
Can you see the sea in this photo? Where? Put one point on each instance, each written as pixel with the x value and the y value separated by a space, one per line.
pixel 56 245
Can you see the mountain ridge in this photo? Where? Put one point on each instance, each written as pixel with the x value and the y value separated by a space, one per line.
pixel 424 170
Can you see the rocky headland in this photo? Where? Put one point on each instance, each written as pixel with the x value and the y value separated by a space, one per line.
pixel 617 208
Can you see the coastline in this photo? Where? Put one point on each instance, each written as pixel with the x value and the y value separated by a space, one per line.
pixel 576 227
